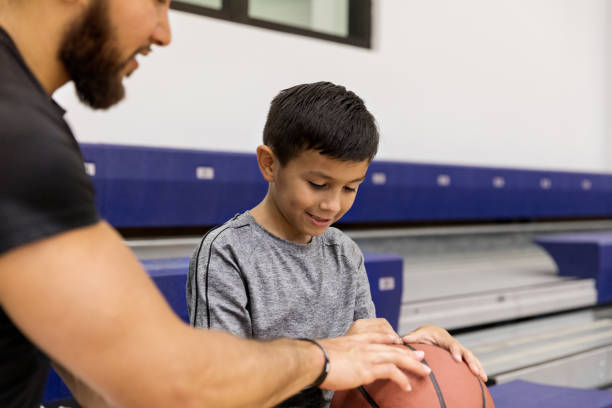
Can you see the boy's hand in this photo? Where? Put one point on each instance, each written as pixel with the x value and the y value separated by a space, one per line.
pixel 429 334
pixel 363 358
pixel 378 325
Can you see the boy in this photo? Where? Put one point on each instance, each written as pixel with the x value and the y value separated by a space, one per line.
pixel 279 269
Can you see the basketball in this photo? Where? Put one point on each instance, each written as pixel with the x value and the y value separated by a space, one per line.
pixel 450 385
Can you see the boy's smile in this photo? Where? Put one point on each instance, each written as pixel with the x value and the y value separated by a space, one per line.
pixel 308 194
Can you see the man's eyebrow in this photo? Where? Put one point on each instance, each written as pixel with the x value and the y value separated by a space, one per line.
pixel 326 177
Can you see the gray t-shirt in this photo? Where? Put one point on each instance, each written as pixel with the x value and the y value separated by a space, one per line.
pixel 244 280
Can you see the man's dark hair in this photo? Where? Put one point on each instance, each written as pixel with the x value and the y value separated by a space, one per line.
pixel 324 117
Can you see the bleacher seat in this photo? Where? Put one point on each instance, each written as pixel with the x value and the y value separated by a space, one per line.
pixel 526 394
pixel 583 255
pixel 161 187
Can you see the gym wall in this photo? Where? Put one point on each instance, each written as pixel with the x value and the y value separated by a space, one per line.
pixel 512 83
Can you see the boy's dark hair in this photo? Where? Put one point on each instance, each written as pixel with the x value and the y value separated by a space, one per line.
pixel 320 116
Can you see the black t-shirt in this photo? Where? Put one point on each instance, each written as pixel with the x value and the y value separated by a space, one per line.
pixel 43 191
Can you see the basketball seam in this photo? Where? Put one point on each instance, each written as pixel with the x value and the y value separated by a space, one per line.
pixel 368 397
pixel 482 393
pixel 432 377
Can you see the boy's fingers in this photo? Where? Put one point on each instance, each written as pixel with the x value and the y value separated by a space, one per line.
pixel 456 351
pixel 379 325
pixel 376 338
pixel 481 372
pixel 475 365
pixel 417 338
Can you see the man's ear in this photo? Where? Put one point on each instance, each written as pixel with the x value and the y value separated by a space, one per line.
pixel 267 161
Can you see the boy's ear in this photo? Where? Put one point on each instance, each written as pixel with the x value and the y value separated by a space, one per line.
pixel 267 161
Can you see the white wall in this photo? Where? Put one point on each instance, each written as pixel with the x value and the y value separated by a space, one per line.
pixel 608 139
pixel 521 83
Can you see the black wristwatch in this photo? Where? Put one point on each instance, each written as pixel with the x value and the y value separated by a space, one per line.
pixel 325 370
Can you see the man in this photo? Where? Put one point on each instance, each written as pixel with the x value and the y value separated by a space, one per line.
pixel 70 291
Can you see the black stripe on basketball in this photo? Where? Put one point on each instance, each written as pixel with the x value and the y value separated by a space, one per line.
pixel 484 400
pixel 432 377
pixel 368 397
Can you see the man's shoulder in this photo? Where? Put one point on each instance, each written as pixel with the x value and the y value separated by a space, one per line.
pixel 31 121
pixel 37 142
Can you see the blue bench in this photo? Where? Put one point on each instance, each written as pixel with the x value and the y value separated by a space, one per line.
pixel 160 187
pixel 583 255
pixel 523 394
pixel 170 276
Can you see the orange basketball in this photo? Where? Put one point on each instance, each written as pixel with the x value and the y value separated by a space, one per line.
pixel 450 385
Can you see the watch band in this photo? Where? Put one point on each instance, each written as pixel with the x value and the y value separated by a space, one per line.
pixel 325 370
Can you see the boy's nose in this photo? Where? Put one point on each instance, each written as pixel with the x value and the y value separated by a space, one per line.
pixel 331 204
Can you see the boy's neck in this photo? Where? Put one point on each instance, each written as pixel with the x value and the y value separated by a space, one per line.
pixel 267 214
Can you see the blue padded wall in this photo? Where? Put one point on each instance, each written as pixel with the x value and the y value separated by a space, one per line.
pixel 157 187
pixel 153 187
pixel 385 275
pixel 427 192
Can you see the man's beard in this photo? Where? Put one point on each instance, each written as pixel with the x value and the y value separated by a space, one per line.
pixel 91 58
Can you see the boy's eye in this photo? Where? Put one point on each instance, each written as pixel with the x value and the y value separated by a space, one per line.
pixel 350 189
pixel 316 186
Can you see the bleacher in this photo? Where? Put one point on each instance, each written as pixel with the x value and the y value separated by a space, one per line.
pixel 464 255
pixel 156 187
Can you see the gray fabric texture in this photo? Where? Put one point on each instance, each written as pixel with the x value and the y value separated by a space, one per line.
pixel 244 280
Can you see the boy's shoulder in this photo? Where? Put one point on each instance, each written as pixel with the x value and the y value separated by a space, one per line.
pixel 234 231
pixel 335 237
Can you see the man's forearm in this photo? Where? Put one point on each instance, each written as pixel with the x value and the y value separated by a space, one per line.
pixel 112 328
pixel 85 396
pixel 254 373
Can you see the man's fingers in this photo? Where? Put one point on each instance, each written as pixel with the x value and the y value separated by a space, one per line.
pixel 403 358
pixel 391 372
pixel 382 353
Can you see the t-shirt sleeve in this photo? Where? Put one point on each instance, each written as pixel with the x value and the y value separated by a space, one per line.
pixel 44 189
pixel 217 295
pixel 364 306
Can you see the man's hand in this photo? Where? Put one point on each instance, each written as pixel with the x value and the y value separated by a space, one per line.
pixel 378 325
pixel 363 358
pixel 429 334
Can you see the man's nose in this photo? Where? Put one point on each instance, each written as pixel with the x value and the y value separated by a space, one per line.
pixel 162 35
